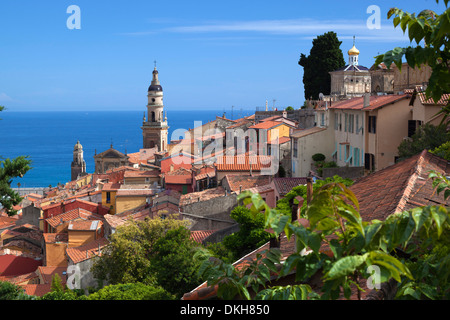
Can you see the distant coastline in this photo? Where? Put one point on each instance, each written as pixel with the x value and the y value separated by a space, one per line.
pixel 48 137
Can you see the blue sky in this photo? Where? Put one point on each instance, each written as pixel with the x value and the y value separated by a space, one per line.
pixel 210 54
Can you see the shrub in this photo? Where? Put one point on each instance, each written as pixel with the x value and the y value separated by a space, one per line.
pixel 318 157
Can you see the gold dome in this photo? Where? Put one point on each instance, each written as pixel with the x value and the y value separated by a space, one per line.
pixel 353 51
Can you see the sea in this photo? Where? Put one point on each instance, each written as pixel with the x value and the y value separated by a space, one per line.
pixel 48 138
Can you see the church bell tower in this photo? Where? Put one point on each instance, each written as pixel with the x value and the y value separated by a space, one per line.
pixel 154 127
pixel 78 167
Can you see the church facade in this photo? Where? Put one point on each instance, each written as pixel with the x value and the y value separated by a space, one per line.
pixel 351 81
pixel 154 127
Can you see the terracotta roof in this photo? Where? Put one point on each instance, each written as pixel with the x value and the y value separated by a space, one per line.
pixel 243 163
pixel 111 186
pixel 37 289
pixel 267 125
pixel 87 251
pixel 72 215
pixel 284 185
pixel 399 187
pixel 445 98
pixel 200 235
pixel 179 176
pixel 26 277
pixel 48 272
pixel 83 225
pixel 135 192
pixel 7 222
pixel 237 181
pixel 375 102
pixel 204 195
pixel 11 265
pixel 141 173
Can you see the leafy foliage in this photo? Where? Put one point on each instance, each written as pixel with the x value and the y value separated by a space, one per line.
pixel 442 151
pixel 251 232
pixel 427 137
pixel 325 56
pixel 432 30
pixel 131 291
pixel 334 243
pixel 154 252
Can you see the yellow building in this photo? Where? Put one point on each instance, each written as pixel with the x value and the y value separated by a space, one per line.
pixel 109 192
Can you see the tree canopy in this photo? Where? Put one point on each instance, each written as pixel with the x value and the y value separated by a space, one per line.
pixel 325 56
pixel 10 169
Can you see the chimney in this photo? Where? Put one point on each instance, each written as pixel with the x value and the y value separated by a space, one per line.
pixel 366 100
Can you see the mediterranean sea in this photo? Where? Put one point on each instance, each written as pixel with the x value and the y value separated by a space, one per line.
pixel 48 138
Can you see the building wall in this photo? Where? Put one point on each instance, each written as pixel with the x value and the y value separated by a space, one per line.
pixel 112 203
pixel 129 202
pixel 392 127
pixel 55 254
pixel 349 142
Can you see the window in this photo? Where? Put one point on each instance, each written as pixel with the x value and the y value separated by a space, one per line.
pixel 346 123
pixel 336 123
pixel 351 121
pixel 108 197
pixel 372 124
pixel 322 119
pixel 295 151
pixel 340 122
pixel 357 124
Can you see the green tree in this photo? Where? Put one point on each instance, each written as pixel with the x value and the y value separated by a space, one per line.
pixel 442 151
pixel 251 232
pixel 325 56
pixel 9 291
pixel 10 169
pixel 154 252
pixel 427 137
pixel 430 32
pixel 131 291
pixel 335 243
pixel 172 264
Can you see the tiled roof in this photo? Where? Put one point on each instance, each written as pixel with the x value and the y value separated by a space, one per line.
pixel 284 185
pixel 179 176
pixel 37 289
pixel 141 173
pixel 26 277
pixel 72 215
pixel 200 235
pixel 244 182
pixel 243 163
pixel 83 225
pixel 204 195
pixel 7 222
pixel 48 272
pixel 445 98
pixel 87 251
pixel 399 187
pixel 266 125
pixel 280 140
pixel 375 102
pixel 11 265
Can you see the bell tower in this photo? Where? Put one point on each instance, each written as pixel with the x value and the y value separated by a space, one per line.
pixel 154 127
pixel 78 167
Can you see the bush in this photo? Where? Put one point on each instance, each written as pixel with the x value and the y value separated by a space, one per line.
pixel 318 157
pixel 131 291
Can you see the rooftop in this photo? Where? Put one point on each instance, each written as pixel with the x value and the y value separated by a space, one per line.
pixel 375 102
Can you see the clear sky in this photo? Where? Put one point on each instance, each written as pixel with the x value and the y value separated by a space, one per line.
pixel 210 54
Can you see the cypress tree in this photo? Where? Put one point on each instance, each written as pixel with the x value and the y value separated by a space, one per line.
pixel 325 56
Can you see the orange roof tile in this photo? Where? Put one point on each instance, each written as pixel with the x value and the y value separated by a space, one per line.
pixel 267 125
pixel 200 235
pixel 375 102
pixel 243 163
pixel 37 289
pixel 399 187
pixel 87 251
pixel 244 182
